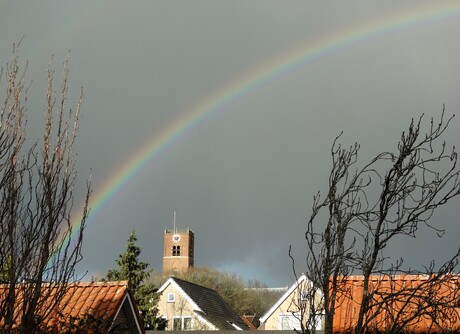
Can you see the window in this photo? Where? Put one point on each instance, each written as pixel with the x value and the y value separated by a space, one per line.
pixel 319 322
pixel 182 324
pixel 304 295
pixel 290 322
pixel 171 297
pixel 176 251
pixel 177 324
pixel 187 324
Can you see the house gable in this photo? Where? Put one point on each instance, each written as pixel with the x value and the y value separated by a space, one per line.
pixel 172 284
pixel 182 307
pixel 204 305
pixel 127 317
pixel 291 307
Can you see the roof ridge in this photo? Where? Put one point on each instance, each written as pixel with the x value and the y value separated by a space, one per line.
pixel 74 284
pixel 191 283
pixel 407 277
pixel 102 283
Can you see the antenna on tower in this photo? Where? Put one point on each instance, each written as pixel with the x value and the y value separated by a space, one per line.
pixel 174 221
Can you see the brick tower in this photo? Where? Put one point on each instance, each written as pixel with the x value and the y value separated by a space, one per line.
pixel 178 250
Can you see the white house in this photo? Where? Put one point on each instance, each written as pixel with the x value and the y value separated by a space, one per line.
pixel 294 308
pixel 188 306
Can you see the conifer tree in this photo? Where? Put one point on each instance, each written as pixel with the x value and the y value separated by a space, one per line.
pixel 136 272
pixel 129 266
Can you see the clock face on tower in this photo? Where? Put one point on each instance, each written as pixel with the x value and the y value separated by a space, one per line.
pixel 176 237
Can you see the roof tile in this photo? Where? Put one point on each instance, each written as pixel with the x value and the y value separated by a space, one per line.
pixel 98 299
pixel 417 290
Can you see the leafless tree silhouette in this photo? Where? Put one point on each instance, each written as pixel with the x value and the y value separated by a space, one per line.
pixel 364 209
pixel 40 243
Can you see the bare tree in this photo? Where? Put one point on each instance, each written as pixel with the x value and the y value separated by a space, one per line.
pixel 411 303
pixel 365 208
pixel 40 244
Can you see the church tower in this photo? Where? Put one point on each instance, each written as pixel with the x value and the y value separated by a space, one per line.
pixel 178 250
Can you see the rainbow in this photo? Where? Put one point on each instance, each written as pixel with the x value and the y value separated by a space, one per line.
pixel 275 70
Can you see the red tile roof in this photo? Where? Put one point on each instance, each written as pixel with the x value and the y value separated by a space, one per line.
pixel 98 299
pixel 406 307
pixel 101 300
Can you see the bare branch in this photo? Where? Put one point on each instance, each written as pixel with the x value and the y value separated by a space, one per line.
pixel 392 196
pixel 40 242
